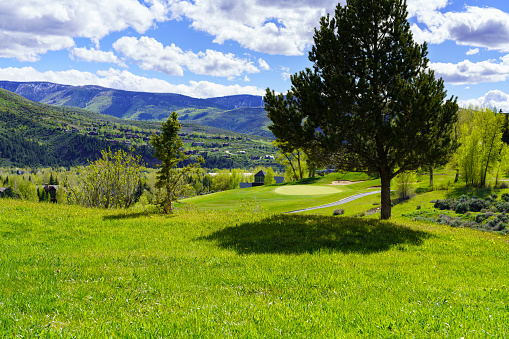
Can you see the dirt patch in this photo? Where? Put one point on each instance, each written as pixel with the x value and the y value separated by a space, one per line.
pixel 344 182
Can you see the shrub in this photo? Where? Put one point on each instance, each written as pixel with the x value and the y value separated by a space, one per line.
pixel 476 205
pixel 504 185
pixel 502 206
pixel 405 185
pixel 505 197
pixel 109 182
pixel 461 208
pixel 338 211
pixel 480 218
pixel 443 204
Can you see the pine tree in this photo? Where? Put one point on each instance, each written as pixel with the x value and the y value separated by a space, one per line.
pixel 370 103
pixel 170 179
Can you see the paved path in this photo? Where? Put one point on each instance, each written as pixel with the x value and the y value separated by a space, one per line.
pixel 340 202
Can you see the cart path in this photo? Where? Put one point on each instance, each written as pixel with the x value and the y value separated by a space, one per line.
pixel 339 202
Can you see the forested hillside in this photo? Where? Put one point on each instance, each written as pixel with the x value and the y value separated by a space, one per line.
pixel 34 134
pixel 238 113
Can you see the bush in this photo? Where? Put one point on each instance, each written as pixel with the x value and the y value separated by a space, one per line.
pixel 502 206
pixel 504 185
pixel 443 204
pixel 405 185
pixel 476 205
pixel 338 211
pixel 109 182
pixel 480 218
pixel 505 197
pixel 461 208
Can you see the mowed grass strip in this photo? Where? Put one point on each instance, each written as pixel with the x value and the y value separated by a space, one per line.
pixel 74 272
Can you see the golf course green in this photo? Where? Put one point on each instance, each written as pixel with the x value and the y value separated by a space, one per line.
pixel 307 190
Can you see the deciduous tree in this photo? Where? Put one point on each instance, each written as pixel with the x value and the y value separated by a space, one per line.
pixel 109 182
pixel 369 102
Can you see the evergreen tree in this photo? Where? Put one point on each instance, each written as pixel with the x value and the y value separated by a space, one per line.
pixel 370 103
pixel 171 181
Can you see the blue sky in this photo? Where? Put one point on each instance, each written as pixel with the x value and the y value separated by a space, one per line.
pixel 208 48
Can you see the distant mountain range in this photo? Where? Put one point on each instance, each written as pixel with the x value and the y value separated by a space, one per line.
pixel 34 134
pixel 238 113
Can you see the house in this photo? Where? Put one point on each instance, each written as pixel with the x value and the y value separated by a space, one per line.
pixel 259 178
pixel 197 144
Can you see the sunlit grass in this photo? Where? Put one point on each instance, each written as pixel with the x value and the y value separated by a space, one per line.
pixel 74 272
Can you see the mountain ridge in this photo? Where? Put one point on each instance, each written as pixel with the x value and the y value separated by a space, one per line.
pixel 242 113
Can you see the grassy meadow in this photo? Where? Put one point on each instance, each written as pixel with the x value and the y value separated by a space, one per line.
pixel 232 265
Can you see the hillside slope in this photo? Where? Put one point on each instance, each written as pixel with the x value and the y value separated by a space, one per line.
pixel 245 112
pixel 34 134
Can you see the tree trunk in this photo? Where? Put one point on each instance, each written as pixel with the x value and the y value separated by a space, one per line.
pixel 386 195
pixel 431 177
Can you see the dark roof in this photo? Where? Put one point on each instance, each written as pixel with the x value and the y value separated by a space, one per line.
pixel 260 174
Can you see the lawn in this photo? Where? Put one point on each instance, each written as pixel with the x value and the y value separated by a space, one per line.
pixel 286 197
pixel 67 271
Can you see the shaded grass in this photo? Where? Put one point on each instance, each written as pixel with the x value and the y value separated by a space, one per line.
pixel 297 234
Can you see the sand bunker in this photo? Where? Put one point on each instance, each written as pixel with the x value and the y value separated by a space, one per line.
pixel 306 190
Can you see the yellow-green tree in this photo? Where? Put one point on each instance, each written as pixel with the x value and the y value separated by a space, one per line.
pixel 481 148
pixel 110 182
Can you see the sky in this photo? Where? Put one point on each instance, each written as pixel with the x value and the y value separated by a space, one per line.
pixel 212 48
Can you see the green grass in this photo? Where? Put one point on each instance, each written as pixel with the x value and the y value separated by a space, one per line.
pixel 270 197
pixel 72 272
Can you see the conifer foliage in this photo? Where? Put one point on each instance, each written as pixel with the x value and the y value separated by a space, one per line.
pixel 171 181
pixel 369 103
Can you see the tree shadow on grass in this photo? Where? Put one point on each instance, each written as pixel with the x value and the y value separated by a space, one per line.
pixel 298 234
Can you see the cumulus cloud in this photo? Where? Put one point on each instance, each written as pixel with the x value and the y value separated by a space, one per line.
pixel 263 64
pixel 473 51
pixel 95 55
pixel 467 72
pixel 171 60
pixel 124 80
pixel 496 99
pixel 31 28
pixel 476 26
pixel 275 27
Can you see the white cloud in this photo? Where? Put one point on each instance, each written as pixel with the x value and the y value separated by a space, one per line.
pixel 275 27
pixel 285 73
pixel 485 27
pixel 31 28
pixel 125 80
pixel 494 98
pixel 27 46
pixel 467 72
pixel 263 64
pixel 97 56
pixel 473 51
pixel 171 60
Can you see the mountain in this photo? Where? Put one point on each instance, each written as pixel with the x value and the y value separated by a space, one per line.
pixel 238 113
pixel 33 134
